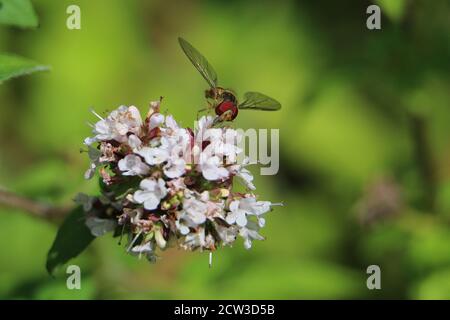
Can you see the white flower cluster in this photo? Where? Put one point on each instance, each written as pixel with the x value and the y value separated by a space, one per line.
pixel 163 184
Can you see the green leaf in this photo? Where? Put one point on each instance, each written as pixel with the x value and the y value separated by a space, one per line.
pixel 19 13
pixel 73 237
pixel 13 66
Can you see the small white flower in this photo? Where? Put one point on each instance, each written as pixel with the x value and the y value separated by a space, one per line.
pixel 171 123
pixel 151 194
pixel 99 226
pixel 227 234
pixel 184 230
pixel 215 209
pixel 153 156
pixel 202 125
pixel 254 207
pixel 132 165
pixel 116 126
pixel 194 240
pixel 236 215
pixel 147 249
pixel 212 168
pixel 249 233
pixel 156 120
pixel 246 177
pixel 175 168
pixel 134 142
pixel 195 211
pixel 174 139
pixel 94 155
pixel 239 209
pixel 223 143
pixel 90 140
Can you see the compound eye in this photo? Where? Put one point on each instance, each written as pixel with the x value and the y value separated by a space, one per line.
pixel 228 96
pixel 209 93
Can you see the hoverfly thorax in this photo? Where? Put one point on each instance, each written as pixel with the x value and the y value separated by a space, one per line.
pixel 219 95
pixel 228 95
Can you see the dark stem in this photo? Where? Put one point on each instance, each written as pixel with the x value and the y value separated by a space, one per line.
pixel 423 154
pixel 35 208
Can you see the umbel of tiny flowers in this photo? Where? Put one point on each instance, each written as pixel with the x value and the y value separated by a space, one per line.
pixel 163 185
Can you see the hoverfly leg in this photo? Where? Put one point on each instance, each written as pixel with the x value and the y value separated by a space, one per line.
pixel 200 111
pixel 217 120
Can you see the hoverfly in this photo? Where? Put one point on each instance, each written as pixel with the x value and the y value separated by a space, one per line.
pixel 224 101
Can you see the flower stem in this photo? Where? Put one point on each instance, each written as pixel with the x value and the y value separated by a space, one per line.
pixel 423 154
pixel 35 208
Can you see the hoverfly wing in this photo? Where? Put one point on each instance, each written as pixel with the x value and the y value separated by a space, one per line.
pixel 199 62
pixel 259 101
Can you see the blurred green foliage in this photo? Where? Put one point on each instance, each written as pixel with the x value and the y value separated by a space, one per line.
pixel 18 13
pixel 12 66
pixel 359 106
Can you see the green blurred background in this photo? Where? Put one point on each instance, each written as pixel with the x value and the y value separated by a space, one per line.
pixel 364 143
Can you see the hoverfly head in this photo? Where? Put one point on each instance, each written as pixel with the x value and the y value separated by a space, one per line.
pixel 210 93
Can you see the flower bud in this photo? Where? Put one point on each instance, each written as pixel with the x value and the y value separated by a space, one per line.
pixel 160 241
pixel 174 202
pixel 224 193
pixel 165 205
pixel 149 236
